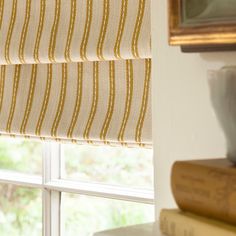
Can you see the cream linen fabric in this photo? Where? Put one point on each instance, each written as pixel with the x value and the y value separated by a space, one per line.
pixel 45 31
pixel 96 102
pixel 76 70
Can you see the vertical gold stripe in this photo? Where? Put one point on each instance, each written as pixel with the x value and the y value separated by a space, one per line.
pixel 2 84
pixel 14 96
pixel 40 30
pixel 10 30
pixel 78 101
pixel 103 31
pixel 29 99
pixel 144 101
pixel 71 30
pixel 54 31
pixel 87 27
pixel 94 103
pixel 138 25
pixel 24 31
pixel 128 102
pixel 45 100
pixel 1 12
pixel 120 33
pixel 61 100
pixel 111 103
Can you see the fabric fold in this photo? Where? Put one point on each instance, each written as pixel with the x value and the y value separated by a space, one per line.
pixel 93 102
pixel 59 31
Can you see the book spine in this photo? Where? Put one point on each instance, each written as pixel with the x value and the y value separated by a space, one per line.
pixel 173 223
pixel 205 190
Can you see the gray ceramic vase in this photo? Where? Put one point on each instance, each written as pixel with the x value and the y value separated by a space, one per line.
pixel 223 96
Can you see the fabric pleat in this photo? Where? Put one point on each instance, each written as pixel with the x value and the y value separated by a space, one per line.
pixel 49 31
pixel 92 102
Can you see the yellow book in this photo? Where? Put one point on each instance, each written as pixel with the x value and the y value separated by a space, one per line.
pixel 177 223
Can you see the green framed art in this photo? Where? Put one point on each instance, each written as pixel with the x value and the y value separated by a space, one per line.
pixel 202 25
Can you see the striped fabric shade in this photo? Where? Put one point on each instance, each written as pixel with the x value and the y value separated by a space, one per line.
pixel 76 70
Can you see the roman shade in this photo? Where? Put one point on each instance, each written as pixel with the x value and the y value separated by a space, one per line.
pixel 76 70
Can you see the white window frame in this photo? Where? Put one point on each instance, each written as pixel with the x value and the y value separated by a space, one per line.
pixel 53 185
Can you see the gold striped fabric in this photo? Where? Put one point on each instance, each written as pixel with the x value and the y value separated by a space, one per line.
pixel 76 71
pixel 47 31
pixel 96 102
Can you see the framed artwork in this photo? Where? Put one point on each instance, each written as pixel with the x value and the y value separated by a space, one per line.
pixel 203 25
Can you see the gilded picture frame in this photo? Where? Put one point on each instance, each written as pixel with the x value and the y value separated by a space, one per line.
pixel 202 25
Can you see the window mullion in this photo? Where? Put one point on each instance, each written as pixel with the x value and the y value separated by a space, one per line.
pixel 51 199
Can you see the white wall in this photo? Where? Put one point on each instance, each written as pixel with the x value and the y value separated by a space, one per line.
pixel 185 126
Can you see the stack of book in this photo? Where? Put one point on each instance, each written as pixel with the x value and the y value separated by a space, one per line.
pixel 205 192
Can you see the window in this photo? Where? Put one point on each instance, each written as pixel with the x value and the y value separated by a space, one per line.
pixel 56 189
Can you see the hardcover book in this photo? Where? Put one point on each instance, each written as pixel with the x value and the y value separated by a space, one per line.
pixel 206 187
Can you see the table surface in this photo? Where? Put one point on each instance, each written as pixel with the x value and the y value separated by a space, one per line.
pixel 150 229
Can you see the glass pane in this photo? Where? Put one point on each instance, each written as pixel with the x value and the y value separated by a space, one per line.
pixel 200 11
pixel 20 211
pixel 83 216
pixel 111 165
pixel 21 155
